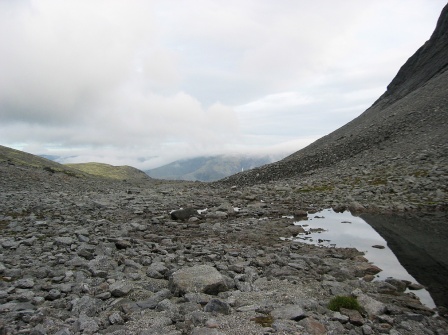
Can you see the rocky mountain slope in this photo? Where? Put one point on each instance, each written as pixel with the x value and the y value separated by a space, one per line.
pixel 407 125
pixel 208 168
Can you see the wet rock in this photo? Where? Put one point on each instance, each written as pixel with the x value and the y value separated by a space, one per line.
pixel 399 284
pixel 364 268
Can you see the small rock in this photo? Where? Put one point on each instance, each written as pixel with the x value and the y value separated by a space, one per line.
pixel 217 306
pixel 152 301
pixel 53 294
pixel 354 316
pixel 123 244
pixel 24 283
pixel 120 288
pixel 415 286
pixel 64 241
pixel 115 318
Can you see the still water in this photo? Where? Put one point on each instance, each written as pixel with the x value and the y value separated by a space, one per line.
pixel 330 229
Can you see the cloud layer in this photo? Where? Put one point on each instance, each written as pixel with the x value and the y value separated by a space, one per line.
pixel 145 82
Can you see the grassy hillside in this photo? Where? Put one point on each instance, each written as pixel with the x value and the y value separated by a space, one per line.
pixel 110 171
pixel 21 158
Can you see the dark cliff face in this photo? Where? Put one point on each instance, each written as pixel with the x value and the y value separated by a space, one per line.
pixel 428 61
pixel 410 117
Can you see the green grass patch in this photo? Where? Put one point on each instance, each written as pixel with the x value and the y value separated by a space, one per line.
pixel 378 181
pixel 317 188
pixel 420 173
pixel 339 302
pixel 264 320
pixel 109 171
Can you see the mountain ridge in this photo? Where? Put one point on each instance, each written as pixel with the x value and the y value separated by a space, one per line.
pixel 208 168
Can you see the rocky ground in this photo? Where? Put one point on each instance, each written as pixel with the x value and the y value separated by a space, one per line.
pixel 81 255
pixel 85 256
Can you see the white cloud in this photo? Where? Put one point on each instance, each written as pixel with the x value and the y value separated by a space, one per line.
pixel 144 82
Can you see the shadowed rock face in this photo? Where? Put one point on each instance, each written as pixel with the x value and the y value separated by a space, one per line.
pixel 411 117
pixel 429 60
pixel 419 242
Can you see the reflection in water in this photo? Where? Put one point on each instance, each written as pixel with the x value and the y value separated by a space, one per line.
pixel 420 243
pixel 327 228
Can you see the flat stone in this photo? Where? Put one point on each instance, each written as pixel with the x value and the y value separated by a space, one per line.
pixel 152 302
pixel 197 279
pixel 371 306
pixel 354 316
pixel 313 327
pixel 24 283
pixel 64 241
pixel 364 268
pixel 289 312
pixel 206 331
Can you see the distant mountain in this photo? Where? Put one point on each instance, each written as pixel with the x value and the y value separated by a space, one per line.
pixel 208 168
pixel 109 171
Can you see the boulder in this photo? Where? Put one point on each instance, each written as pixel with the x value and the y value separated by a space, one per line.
pixel 184 214
pixel 197 279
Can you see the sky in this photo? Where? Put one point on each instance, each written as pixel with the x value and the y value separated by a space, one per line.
pixel 145 83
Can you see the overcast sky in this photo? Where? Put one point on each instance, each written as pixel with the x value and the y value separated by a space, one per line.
pixel 144 83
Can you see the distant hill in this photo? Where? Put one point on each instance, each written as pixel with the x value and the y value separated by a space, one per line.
pixel 208 168
pixel 109 171
pixel 20 158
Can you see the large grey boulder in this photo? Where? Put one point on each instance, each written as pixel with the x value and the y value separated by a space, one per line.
pixel 197 279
